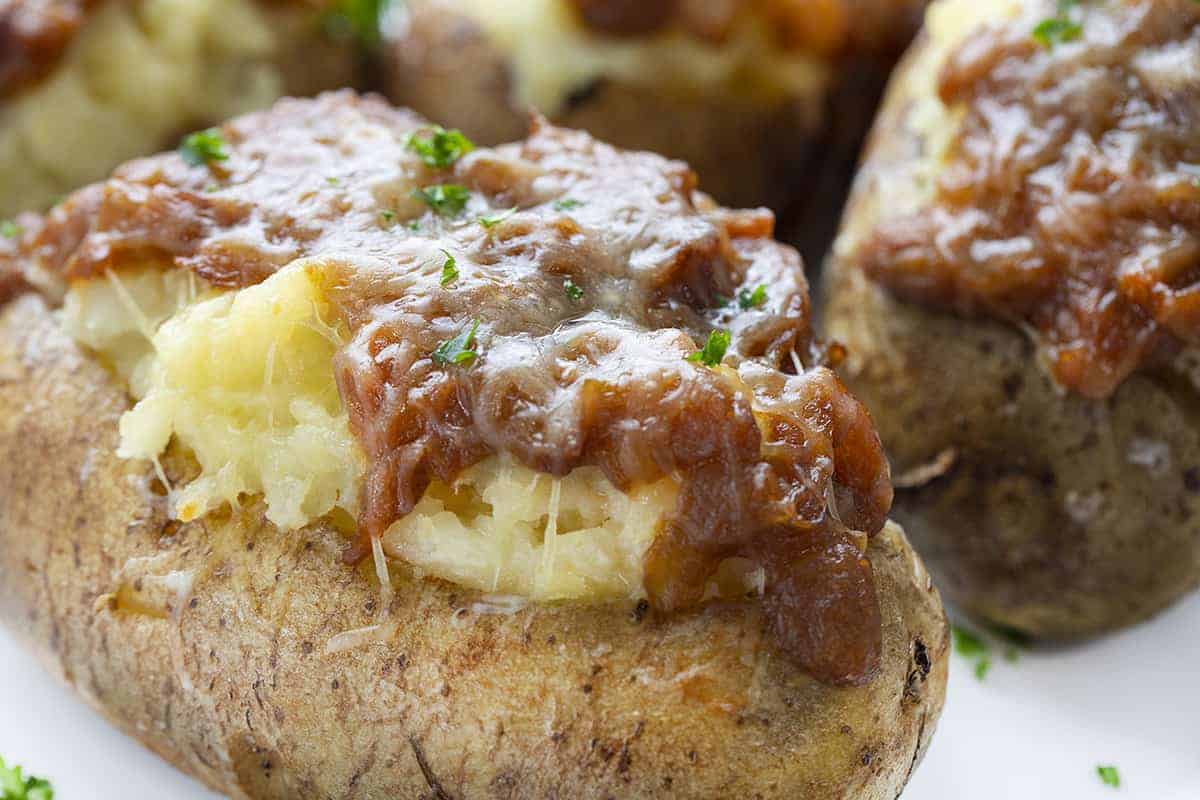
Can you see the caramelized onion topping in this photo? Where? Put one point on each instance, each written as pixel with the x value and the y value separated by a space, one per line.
pixel 34 36
pixel 776 462
pixel 1070 203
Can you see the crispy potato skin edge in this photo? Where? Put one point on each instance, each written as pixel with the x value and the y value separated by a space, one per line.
pixel 223 670
pixel 1044 523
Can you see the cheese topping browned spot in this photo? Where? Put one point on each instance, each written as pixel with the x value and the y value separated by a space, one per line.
pixel 774 466
pixel 1070 202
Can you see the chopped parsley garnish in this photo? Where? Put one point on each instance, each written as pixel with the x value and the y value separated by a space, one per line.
pixel 449 270
pixel 414 225
pixel 332 181
pixel 713 351
pixel 752 299
pixel 441 147
pixel 492 220
pixel 459 350
pixel 1109 775
pixel 572 289
pixel 971 645
pixel 567 204
pixel 387 215
pixel 203 147
pixel 1054 30
pixel 968 643
pixel 1060 28
pixel 357 20
pixel 446 199
pixel 9 229
pixel 15 786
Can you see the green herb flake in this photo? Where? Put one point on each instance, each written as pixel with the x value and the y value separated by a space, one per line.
pixel 387 216
pixel 967 643
pixel 446 199
pixel 492 220
pixel 414 225
pixel 1109 776
pixel 332 181
pixel 9 229
pixel 567 204
pixel 752 299
pixel 440 148
pixel 572 289
pixel 713 351
pixel 16 786
pixel 449 271
pixel 203 147
pixel 972 646
pixel 356 20
pixel 1056 30
pixel 459 350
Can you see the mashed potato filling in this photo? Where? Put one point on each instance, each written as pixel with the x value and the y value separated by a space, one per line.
pixel 553 55
pixel 244 380
pixel 137 74
pixel 911 184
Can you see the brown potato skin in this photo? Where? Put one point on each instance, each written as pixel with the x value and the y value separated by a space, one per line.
pixel 1042 524
pixel 232 682
pixel 746 152
pixel 997 529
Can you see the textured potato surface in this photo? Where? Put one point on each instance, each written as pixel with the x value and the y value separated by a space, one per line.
pixel 222 644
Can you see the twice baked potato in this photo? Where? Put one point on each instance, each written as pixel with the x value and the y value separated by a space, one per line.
pixel 748 92
pixel 374 465
pixel 87 84
pixel 1016 283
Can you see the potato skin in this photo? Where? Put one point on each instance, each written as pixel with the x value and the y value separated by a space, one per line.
pixel 223 669
pixel 746 152
pixel 1045 522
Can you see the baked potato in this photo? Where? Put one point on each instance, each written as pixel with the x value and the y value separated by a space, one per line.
pixel 743 91
pixel 373 464
pixel 1016 283
pixel 87 84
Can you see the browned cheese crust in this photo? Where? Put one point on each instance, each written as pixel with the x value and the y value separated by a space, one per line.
pixel 208 642
pixel 1049 470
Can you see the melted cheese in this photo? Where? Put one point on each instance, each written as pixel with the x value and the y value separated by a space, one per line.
pixel 552 55
pixel 244 380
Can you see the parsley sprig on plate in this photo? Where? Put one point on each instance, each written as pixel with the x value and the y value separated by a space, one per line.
pixel 16 786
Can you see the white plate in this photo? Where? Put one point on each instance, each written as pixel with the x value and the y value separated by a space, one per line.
pixel 1033 729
